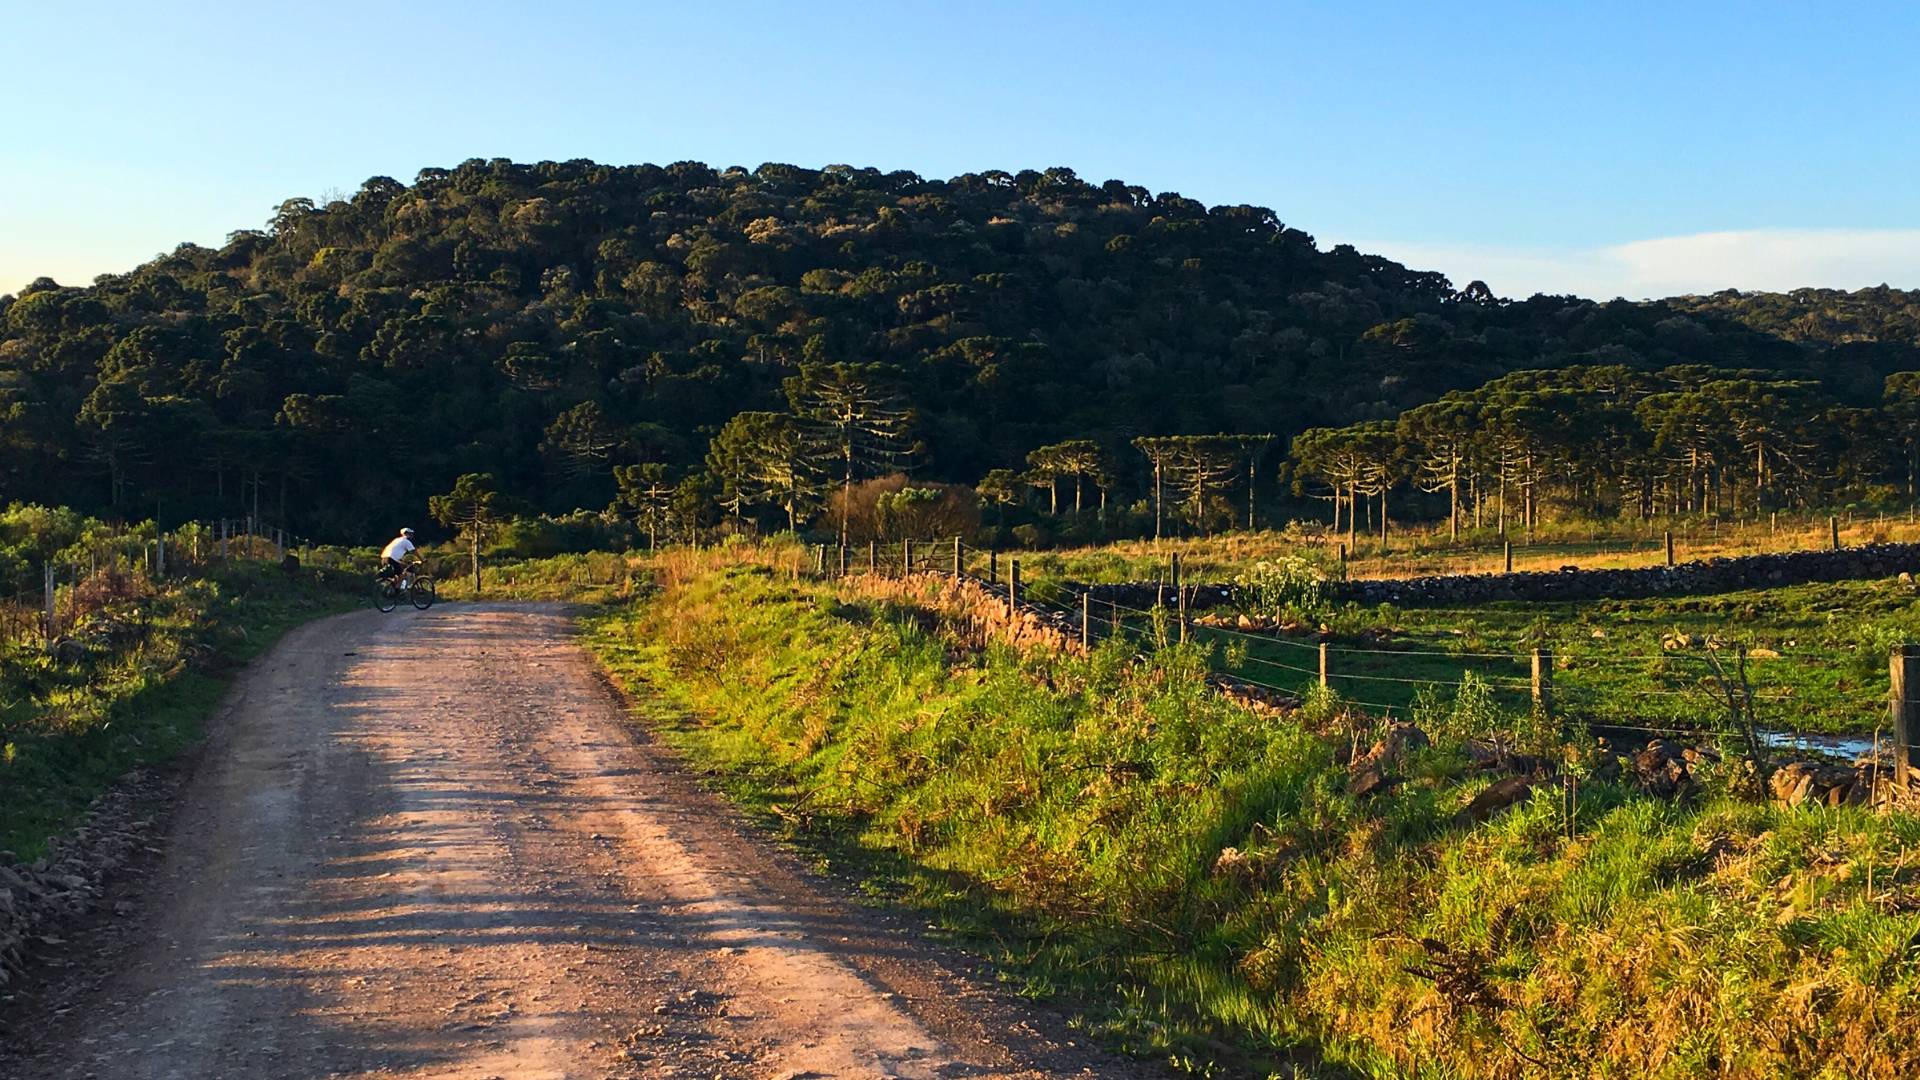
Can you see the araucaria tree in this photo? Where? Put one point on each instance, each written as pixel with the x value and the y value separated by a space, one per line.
pixel 855 410
pixel 646 493
pixel 472 507
pixel 1079 460
pixel 771 459
pixel 1200 469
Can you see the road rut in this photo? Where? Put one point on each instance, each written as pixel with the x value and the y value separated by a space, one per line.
pixel 433 845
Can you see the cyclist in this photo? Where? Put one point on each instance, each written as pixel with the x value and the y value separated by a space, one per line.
pixel 393 557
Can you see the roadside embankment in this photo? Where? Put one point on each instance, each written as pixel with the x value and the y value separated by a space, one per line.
pixel 1256 888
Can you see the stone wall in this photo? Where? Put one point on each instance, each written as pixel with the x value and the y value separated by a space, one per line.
pixel 1687 579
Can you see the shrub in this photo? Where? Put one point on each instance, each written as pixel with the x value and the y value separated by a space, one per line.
pixel 893 508
pixel 1287 587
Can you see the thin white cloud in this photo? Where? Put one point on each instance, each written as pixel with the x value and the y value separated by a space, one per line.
pixel 1775 260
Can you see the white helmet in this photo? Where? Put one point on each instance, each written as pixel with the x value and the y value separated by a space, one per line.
pixel 408 533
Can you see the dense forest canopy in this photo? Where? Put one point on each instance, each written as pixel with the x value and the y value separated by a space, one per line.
pixel 577 330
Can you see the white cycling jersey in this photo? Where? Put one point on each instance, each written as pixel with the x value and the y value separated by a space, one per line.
pixel 397 549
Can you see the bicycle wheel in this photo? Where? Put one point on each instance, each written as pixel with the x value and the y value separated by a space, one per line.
pixel 422 593
pixel 386 595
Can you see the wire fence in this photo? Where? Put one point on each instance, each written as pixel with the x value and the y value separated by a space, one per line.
pixel 1683 690
pixel 46 592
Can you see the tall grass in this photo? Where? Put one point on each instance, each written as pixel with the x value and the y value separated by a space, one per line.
pixel 1196 874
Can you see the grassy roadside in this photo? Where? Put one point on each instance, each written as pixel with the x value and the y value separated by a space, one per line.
pixel 139 689
pixel 1110 830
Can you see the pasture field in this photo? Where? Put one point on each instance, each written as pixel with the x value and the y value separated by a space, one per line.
pixel 1817 654
pixel 1427 549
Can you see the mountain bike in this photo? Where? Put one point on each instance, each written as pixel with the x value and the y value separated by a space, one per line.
pixel 413 585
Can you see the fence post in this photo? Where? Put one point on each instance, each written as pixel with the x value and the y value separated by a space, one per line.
pixel 1013 587
pixel 1343 553
pixel 1543 679
pixel 956 559
pixel 1086 618
pixel 1904 670
pixel 1323 665
pixel 1179 597
pixel 1506 552
pixel 843 558
pixel 993 566
pixel 1833 530
pixel 873 556
pixel 1669 547
pixel 906 556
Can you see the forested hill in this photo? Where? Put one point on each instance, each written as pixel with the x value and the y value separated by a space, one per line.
pixel 545 323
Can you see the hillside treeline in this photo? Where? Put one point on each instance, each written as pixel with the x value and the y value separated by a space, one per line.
pixel 548 323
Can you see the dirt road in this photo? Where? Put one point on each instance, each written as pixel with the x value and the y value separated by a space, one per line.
pixel 431 845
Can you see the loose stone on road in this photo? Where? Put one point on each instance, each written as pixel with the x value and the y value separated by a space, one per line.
pixel 432 845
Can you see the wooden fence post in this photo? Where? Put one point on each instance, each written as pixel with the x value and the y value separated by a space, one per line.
pixel 873 556
pixel 1543 679
pixel 1013 587
pixel 1343 553
pixel 1669 547
pixel 1179 596
pixel 993 566
pixel 1506 550
pixel 1833 530
pixel 843 558
pixel 1904 672
pixel 957 566
pixel 1086 618
pixel 906 556
pixel 1323 665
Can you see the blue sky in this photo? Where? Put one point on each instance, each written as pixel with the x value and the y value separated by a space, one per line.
pixel 1607 149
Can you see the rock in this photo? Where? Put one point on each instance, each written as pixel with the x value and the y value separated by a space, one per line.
pixel 1498 796
pixel 1366 779
pixel 1232 863
pixel 1374 770
pixel 1660 769
pixel 1786 778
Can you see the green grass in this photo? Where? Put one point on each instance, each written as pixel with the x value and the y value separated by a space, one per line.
pixel 1069 817
pixel 591 578
pixel 1818 653
pixel 71 728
